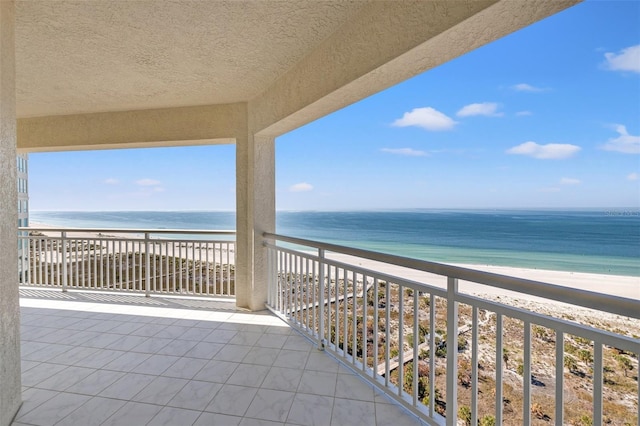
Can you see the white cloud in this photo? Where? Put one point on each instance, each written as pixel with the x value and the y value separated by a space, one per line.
pixel 524 87
pixel 569 181
pixel 633 176
pixel 625 143
pixel 627 60
pixel 111 181
pixel 487 109
pixel 551 151
pixel 426 118
pixel 523 113
pixel 301 187
pixel 409 152
pixel 147 182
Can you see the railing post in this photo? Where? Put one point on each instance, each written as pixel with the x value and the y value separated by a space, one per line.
pixel 271 282
pixel 321 300
pixel 147 266
pixel 64 261
pixel 452 351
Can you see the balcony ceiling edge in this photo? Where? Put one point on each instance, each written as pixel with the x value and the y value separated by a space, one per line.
pixel 196 125
pixel 408 39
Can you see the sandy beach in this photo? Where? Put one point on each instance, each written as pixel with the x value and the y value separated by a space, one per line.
pixel 615 285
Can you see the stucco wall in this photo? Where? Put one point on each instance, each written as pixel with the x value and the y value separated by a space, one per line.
pixel 10 385
pixel 256 208
pixel 197 125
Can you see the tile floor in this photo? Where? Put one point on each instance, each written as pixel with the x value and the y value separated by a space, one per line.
pixel 95 359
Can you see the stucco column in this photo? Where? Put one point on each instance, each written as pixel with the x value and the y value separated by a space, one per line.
pixel 10 383
pixel 255 214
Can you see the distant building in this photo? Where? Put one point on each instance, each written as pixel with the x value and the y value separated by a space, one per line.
pixel 23 213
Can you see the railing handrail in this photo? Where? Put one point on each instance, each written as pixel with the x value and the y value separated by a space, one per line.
pixel 131 230
pixel 584 298
pixel 196 261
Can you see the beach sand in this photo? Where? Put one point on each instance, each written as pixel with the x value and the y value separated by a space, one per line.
pixel 621 286
pixel 615 285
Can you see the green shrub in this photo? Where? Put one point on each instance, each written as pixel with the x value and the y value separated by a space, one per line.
pixel 487 421
pixel 464 413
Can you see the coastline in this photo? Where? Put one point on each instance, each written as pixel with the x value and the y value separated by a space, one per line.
pixel 614 285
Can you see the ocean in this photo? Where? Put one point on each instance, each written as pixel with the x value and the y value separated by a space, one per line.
pixel 595 241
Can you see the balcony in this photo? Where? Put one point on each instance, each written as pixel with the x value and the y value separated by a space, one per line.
pixel 516 358
pixel 177 262
pixel 97 348
pixel 123 359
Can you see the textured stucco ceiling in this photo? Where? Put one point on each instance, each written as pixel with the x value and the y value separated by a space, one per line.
pixel 89 56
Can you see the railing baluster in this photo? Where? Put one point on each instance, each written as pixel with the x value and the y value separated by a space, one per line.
pixel 141 266
pixel 95 265
pixel 288 295
pixel 281 290
pixel 47 262
pixel 400 340
pixel 387 340
pixel 376 306
pixel 499 368
pixel 336 327
pixel 345 317
pixel 193 268
pixel 229 270
pixel 321 300
pixel 114 265
pixel 526 375
pixel 101 267
pixel 597 383
pixel 365 319
pixel 474 366
pixel 105 263
pixel 84 266
pixel 218 289
pixel 208 265
pixel 180 269
pixel 452 353
pixel 416 343
pixel 307 307
pixel 156 248
pixel 295 288
pixel 173 266
pixel 432 354
pixel 271 253
pixel 64 261
pixel 354 316
pixel 298 290
pixel 329 307
pixel 286 282
pixel 559 378
pixel 200 279
pixel 120 275
pixel 40 253
pixel 75 257
pixel 127 267
pixel 314 300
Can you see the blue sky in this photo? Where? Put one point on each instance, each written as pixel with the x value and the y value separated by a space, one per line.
pixel 548 117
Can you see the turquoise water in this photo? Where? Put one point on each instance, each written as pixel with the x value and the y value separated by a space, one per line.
pixel 597 241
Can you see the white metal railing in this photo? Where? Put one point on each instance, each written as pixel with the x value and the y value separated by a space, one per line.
pixel 181 262
pixel 379 325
